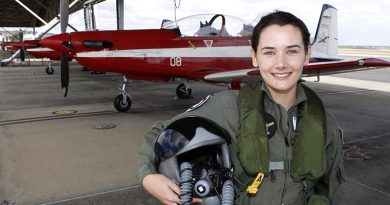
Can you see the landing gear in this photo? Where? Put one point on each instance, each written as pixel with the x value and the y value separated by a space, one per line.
pixel 123 102
pixel 318 76
pixel 49 69
pixel 183 91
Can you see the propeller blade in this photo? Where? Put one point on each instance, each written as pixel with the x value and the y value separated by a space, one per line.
pixel 64 14
pixel 64 73
pixel 20 36
pixel 21 54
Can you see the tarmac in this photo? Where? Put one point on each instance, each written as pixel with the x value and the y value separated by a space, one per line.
pixel 87 152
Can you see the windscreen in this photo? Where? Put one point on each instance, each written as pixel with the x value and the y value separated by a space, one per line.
pixel 211 25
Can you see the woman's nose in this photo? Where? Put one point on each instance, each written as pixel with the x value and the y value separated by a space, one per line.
pixel 281 61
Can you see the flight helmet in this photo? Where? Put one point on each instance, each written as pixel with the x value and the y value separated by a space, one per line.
pixel 193 152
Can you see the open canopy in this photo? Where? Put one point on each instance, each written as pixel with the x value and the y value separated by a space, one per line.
pixel 213 25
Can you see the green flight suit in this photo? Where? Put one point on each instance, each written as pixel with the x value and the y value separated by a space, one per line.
pixel 223 108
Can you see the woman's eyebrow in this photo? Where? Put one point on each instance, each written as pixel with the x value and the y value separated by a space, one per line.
pixel 294 46
pixel 291 46
pixel 267 47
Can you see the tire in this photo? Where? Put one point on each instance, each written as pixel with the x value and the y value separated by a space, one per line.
pixel 118 104
pixel 183 92
pixel 49 70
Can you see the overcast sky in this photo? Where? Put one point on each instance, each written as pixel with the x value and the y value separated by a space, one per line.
pixel 360 22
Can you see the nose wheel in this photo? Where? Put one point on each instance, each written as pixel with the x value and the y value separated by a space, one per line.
pixel 49 69
pixel 183 92
pixel 123 102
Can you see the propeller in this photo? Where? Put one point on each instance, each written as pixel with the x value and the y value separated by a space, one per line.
pixel 64 15
pixel 22 54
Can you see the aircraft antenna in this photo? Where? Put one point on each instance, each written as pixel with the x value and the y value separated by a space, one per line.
pixel 176 6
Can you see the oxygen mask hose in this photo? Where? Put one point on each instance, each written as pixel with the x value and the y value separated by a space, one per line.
pixel 186 186
pixel 227 193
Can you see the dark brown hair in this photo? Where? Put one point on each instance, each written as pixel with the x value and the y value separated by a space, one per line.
pixel 280 18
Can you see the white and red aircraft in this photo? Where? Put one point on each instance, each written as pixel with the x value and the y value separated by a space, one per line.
pixel 216 51
pixel 33 48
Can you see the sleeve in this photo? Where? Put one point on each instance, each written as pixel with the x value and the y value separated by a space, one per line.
pixel 327 186
pixel 146 156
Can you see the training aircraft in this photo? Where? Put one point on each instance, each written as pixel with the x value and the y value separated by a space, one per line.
pixel 217 50
pixel 37 50
pixel 11 45
pixel 33 48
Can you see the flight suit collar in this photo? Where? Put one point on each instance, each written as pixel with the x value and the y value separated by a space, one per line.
pixel 301 96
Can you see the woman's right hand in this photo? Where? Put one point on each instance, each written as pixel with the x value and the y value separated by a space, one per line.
pixel 162 188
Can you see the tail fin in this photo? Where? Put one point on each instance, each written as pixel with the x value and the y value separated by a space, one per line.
pixel 325 43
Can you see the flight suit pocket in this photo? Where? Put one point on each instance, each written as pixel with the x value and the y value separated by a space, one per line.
pixel 253 153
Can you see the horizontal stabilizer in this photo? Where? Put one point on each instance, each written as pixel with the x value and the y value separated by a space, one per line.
pixel 344 66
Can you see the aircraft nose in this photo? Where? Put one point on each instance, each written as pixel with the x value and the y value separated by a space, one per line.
pixel 58 42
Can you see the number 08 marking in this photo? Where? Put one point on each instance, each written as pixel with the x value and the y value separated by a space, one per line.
pixel 175 61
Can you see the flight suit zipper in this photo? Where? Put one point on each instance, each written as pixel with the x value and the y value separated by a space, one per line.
pixel 285 173
pixel 291 130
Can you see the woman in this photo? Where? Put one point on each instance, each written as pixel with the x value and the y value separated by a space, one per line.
pixel 279 128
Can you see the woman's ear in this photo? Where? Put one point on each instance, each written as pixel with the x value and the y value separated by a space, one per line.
pixel 308 54
pixel 254 60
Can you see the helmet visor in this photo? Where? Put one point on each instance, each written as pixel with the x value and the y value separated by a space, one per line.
pixel 169 143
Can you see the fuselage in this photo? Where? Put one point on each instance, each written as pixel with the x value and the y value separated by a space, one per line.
pixel 159 53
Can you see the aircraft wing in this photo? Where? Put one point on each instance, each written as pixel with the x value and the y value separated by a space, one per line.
pixel 312 69
pixel 234 75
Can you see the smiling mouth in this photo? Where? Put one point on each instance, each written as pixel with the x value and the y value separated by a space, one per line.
pixel 281 75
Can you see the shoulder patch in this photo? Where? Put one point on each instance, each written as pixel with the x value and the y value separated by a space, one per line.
pixel 199 104
pixel 270 125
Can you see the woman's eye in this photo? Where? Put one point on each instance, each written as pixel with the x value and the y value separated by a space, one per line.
pixel 290 52
pixel 267 53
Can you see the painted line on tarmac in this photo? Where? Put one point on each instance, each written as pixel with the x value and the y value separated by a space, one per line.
pixel 367 138
pixel 92 195
pixel 362 84
pixel 369 187
pixel 88 114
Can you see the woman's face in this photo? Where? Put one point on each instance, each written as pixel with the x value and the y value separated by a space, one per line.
pixel 280 57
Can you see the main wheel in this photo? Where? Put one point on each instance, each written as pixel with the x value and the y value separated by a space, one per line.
pixel 49 70
pixel 120 105
pixel 183 92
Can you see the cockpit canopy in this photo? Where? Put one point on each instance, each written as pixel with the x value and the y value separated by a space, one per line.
pixel 210 25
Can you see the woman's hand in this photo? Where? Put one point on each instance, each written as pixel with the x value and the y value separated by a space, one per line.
pixel 163 189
